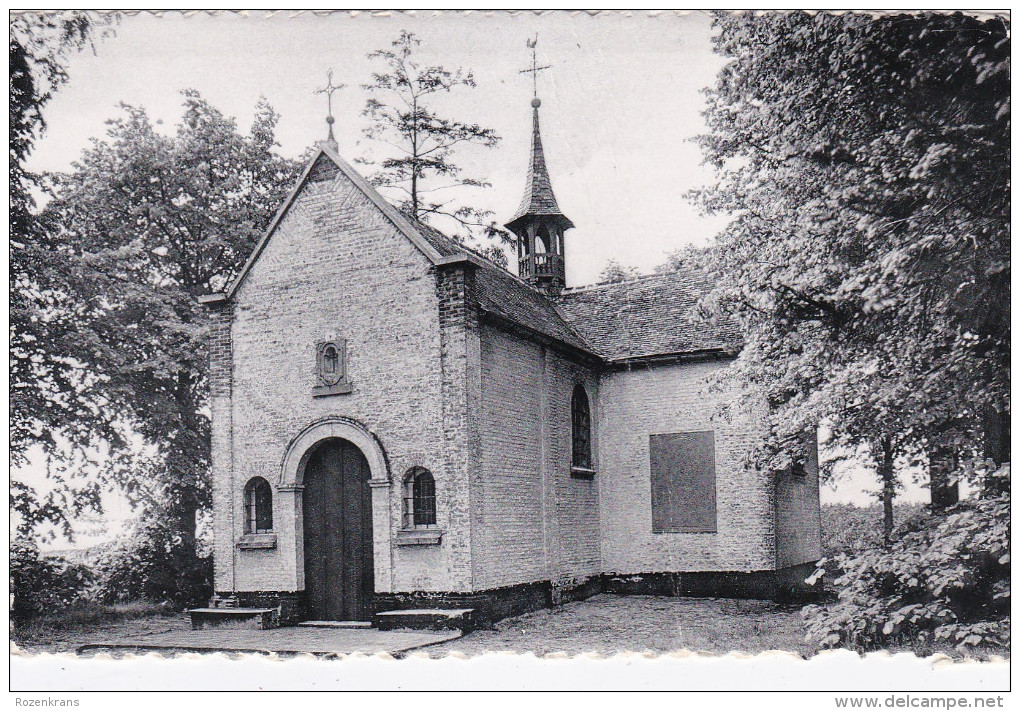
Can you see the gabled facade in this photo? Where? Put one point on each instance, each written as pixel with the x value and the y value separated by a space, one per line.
pixel 399 423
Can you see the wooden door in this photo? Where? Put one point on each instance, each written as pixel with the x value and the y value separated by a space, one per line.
pixel 339 576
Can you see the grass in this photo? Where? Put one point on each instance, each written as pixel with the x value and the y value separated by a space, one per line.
pixel 67 628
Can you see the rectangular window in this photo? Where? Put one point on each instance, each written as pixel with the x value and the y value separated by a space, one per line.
pixel 683 482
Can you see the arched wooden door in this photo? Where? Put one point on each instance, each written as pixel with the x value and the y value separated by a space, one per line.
pixel 339 576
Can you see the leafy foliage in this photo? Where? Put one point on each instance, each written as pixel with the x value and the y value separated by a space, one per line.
pixel 945 580
pixel 847 528
pixel 40 44
pixel 152 564
pixel 41 584
pixel 868 255
pixel 614 272
pixel 148 565
pixel 419 170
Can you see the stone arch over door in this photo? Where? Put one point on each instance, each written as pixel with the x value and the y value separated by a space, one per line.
pixel 291 484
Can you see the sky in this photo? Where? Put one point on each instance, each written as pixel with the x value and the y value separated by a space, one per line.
pixel 621 106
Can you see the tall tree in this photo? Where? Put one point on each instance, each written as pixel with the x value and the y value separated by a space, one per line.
pixel 418 169
pixel 39 47
pixel 143 224
pixel 868 255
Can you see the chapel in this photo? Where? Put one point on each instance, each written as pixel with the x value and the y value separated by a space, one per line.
pixel 402 429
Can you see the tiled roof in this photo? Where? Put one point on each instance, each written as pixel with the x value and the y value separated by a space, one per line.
pixel 504 295
pixel 538 193
pixel 639 318
pixel 645 317
pixel 443 244
pixel 500 293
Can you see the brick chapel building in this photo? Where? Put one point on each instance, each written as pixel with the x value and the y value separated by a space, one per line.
pixel 399 423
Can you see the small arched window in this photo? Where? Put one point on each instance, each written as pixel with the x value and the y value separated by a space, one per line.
pixel 419 499
pixel 581 427
pixel 258 506
pixel 542 243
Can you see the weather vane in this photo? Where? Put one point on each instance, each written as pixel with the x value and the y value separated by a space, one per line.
pixel 535 69
pixel 328 91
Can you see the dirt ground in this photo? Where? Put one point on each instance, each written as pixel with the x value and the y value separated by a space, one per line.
pixel 604 624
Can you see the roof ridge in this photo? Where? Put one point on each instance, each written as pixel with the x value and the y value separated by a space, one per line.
pixel 607 284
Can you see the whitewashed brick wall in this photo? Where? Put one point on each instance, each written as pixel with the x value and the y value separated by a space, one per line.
pixel 638 403
pixel 336 267
pixel 533 521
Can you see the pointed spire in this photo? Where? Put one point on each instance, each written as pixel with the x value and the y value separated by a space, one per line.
pixel 539 199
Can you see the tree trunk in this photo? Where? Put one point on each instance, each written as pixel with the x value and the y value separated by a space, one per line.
pixel 996 445
pixel 188 522
pixel 996 427
pixel 414 194
pixel 888 478
pixel 942 464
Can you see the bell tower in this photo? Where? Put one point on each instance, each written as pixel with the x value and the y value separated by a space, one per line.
pixel 538 223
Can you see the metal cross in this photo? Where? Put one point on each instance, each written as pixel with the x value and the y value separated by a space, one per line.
pixel 328 91
pixel 535 69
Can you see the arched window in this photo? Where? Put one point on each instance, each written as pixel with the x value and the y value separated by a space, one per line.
pixel 542 243
pixel 258 506
pixel 419 499
pixel 581 420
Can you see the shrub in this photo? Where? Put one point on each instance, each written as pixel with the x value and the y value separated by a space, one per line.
pixel 945 579
pixel 846 527
pixel 41 583
pixel 151 564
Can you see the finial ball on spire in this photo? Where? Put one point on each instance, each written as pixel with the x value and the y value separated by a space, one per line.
pixel 330 120
pixel 536 102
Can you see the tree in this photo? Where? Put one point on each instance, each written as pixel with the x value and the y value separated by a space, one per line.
pixel 39 47
pixel 615 272
pixel 868 255
pixel 142 225
pixel 40 44
pixel 419 170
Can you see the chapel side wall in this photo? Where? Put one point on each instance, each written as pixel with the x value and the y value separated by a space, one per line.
pixel 798 513
pixel 336 267
pixel 635 404
pixel 577 554
pixel 533 522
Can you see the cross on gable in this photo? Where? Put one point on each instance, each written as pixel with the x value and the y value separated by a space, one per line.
pixel 328 91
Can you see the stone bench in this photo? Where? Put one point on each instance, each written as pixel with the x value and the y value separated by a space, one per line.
pixel 426 619
pixel 260 618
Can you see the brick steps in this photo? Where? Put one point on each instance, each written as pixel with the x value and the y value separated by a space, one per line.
pixel 426 619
